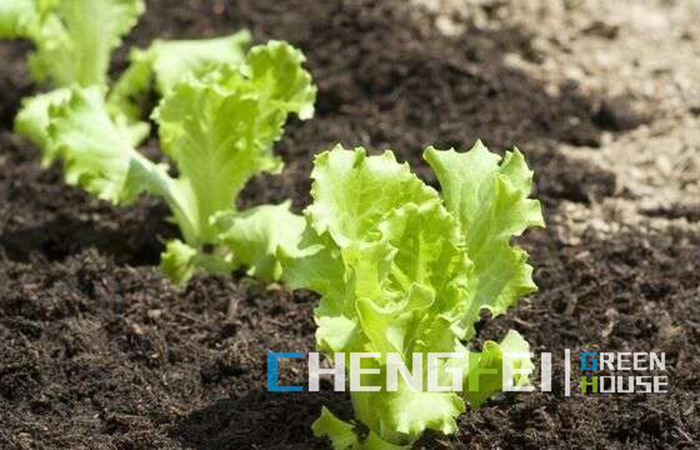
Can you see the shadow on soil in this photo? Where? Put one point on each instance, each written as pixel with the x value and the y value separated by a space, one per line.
pixel 136 243
pixel 249 421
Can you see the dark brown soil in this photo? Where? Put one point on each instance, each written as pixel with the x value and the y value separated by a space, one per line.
pixel 100 352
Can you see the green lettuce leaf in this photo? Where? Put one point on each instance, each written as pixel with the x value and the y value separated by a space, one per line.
pixel 371 188
pixel 34 117
pixel 179 262
pixel 344 437
pixel 220 128
pixel 491 202
pixel 16 17
pixel 257 234
pixel 485 374
pixel 97 152
pixel 33 120
pixel 166 63
pixel 75 38
pixel 341 433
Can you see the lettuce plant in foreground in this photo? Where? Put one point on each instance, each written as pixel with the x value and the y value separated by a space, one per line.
pixel 404 269
pixel 219 128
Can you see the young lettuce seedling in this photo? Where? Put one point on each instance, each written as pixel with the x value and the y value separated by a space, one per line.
pixel 219 127
pixel 403 269
pixel 74 41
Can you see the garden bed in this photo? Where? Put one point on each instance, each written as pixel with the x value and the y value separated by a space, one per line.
pixel 99 351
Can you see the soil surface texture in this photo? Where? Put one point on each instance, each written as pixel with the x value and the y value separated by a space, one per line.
pixel 100 352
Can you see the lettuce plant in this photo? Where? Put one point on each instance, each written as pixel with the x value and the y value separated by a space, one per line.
pixel 404 269
pixel 219 128
pixel 222 112
pixel 74 40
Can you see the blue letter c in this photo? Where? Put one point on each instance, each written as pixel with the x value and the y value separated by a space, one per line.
pixel 272 375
